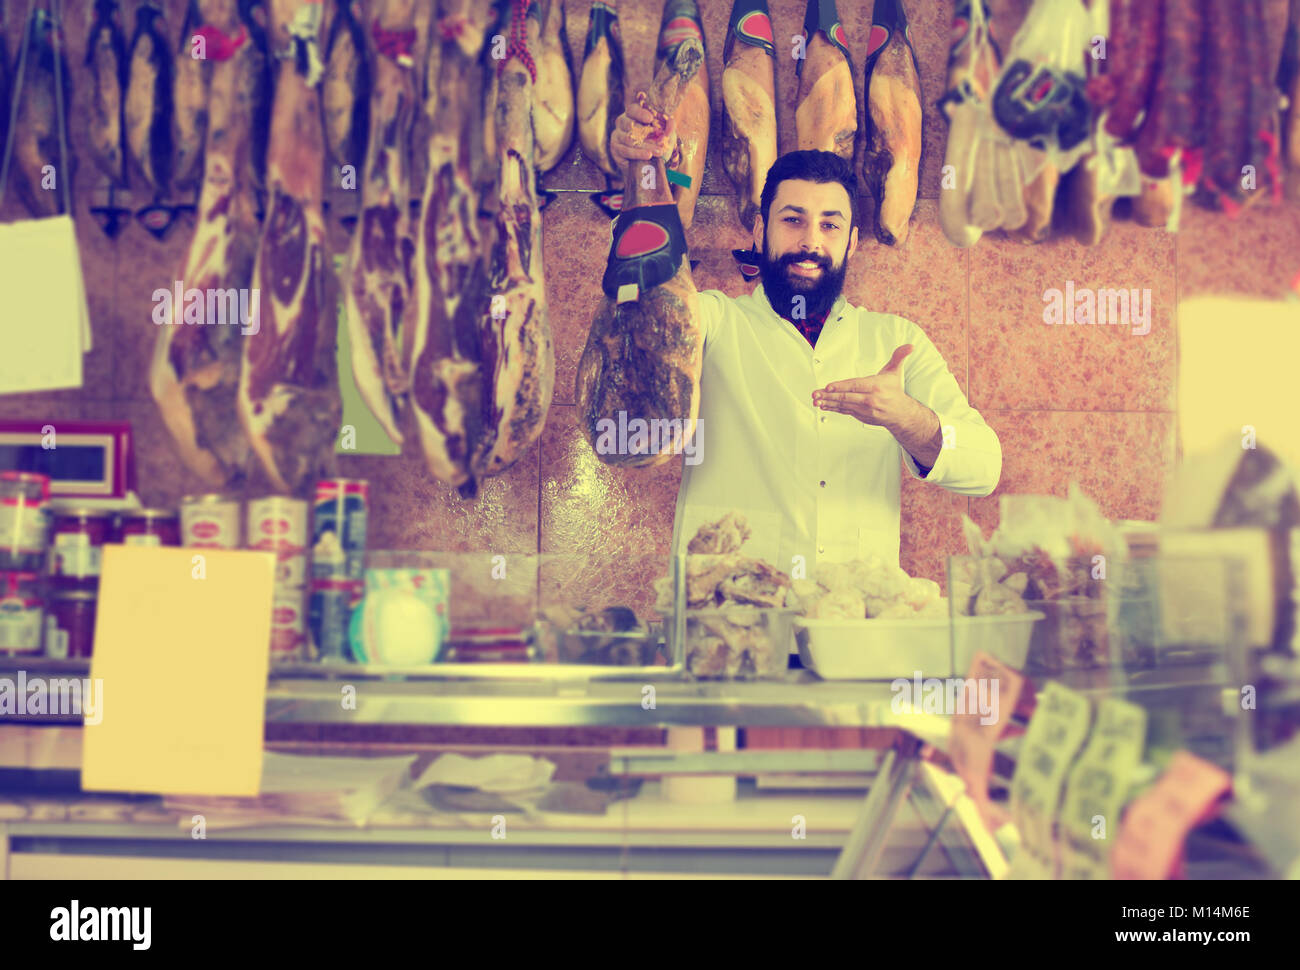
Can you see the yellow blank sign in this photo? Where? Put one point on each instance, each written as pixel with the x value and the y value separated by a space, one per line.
pixel 1236 363
pixel 182 645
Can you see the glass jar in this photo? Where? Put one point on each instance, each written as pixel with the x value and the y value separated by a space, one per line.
pixel 22 610
pixel 23 499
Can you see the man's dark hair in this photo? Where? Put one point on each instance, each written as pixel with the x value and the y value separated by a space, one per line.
pixel 811 166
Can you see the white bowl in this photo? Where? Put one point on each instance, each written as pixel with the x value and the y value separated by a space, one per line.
pixel 887 649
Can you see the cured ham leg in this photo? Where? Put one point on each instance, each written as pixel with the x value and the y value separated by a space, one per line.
pixel 379 280
pixel 288 402
pixel 826 112
pixel 450 263
pixel 554 107
pixel 518 359
pixel 345 90
pixel 749 141
pixel 194 376
pixel 891 165
pixel 600 86
pixel 644 352
pixel 681 22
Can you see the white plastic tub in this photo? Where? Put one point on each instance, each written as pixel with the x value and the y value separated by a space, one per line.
pixel 886 649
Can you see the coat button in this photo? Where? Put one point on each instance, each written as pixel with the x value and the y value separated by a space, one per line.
pixel 823 419
pixel 823 484
pixel 821 548
pixel 817 360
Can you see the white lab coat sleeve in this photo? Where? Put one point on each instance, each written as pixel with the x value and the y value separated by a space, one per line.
pixel 970 462
pixel 712 310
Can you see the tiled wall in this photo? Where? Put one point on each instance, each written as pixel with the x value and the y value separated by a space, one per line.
pixel 1088 404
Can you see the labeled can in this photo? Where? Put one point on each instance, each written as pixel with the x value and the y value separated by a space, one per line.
pixel 278 524
pixel 339 512
pixel 70 624
pixel 23 523
pixel 329 615
pixel 149 527
pixel 77 549
pixel 22 613
pixel 210 522
pixel 288 626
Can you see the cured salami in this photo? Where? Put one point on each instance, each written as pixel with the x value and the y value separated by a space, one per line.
pixel 749 139
pixel 644 351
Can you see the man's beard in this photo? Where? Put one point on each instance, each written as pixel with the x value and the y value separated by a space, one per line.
pixel 781 288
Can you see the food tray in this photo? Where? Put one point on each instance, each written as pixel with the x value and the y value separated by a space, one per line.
pixel 887 649
pixel 737 642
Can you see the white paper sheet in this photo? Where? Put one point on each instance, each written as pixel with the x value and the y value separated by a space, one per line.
pixel 46 321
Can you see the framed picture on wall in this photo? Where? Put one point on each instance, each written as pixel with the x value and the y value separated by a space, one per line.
pixel 84 459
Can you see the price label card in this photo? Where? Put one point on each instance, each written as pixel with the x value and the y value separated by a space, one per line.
pixel 974 737
pixel 1056 731
pixel 1097 787
pixel 1150 843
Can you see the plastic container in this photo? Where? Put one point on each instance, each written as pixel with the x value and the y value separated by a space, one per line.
pixel 738 642
pixel 880 649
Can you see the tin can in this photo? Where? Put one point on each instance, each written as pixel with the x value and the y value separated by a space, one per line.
pixel 210 522
pixel 339 514
pixel 70 624
pixel 149 527
pixel 279 525
pixel 22 613
pixel 329 615
pixel 288 626
pixel 77 550
pixel 23 523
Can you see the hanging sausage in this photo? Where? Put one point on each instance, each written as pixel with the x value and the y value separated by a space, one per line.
pixel 190 102
pixel 42 154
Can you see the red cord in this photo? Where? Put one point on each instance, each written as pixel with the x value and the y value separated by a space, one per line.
pixel 218 46
pixel 519 40
pixel 396 45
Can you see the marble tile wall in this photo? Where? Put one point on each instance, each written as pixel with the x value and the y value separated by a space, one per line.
pixel 1093 405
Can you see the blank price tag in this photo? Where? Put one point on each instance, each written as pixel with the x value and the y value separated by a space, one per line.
pixel 1150 843
pixel 972 743
pixel 1056 731
pixel 1097 788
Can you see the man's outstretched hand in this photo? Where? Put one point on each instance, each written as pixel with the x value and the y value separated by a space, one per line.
pixel 881 401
